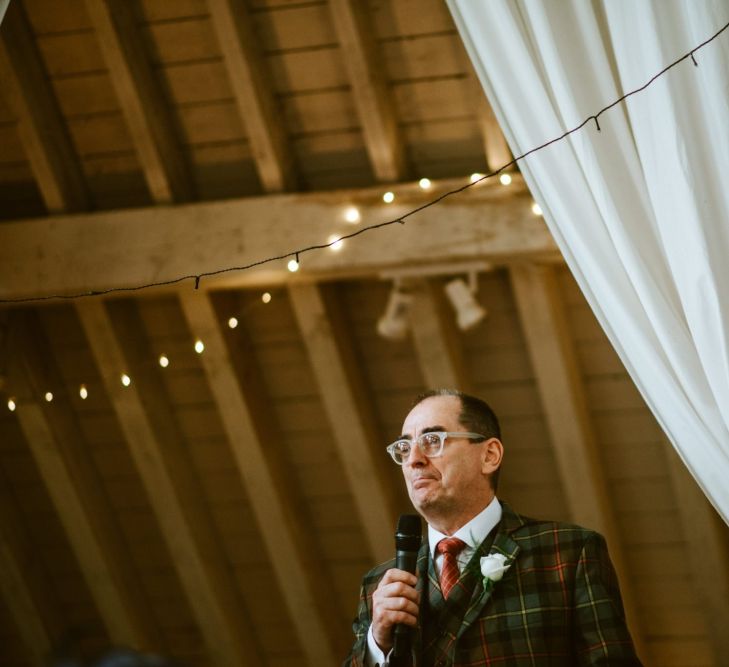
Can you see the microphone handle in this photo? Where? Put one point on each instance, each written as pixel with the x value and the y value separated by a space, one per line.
pixel 404 560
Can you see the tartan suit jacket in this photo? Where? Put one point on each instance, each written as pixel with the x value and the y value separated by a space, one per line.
pixel 557 604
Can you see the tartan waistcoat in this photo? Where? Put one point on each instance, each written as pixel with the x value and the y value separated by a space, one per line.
pixel 441 619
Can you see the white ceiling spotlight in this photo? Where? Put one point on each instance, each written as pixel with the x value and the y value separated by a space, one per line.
pixel 395 321
pixel 468 311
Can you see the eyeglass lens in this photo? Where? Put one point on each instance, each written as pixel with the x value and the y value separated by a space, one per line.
pixel 430 444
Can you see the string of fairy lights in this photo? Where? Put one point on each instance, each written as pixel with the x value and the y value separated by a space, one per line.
pixel 351 215
pixel 163 360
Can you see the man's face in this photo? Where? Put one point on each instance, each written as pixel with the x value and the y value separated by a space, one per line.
pixel 450 489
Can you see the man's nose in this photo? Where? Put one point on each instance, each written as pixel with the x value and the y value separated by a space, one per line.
pixel 416 458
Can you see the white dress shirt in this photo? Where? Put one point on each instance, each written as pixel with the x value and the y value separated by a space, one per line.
pixel 472 533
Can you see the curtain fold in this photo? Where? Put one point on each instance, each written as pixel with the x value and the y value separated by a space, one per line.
pixel 640 208
pixel 3 7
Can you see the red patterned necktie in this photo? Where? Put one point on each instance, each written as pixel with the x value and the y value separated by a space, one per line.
pixel 450 547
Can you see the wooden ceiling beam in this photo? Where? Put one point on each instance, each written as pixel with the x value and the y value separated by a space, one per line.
pixel 707 539
pixel 436 340
pixel 569 424
pixel 243 409
pixel 369 87
pixel 22 584
pixel 173 490
pixel 123 248
pixel 57 445
pixel 42 131
pixel 254 96
pixel 149 122
pixel 28 615
pixel 350 413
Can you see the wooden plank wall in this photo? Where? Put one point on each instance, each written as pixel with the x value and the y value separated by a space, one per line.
pixel 424 68
pixel 632 453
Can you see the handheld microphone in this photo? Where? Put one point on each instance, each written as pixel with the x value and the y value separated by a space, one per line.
pixel 408 537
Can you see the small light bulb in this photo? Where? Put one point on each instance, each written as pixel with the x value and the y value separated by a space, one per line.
pixel 49 396
pixel 83 392
pixel 11 404
pixel 266 297
pixel 475 176
pixel 352 214
pixel 388 197
pixel 536 209
pixel 233 322
pixel 164 360
pixel 424 183
pixel 293 266
pixel 335 243
pixel 126 380
pixel 199 346
pixel 505 179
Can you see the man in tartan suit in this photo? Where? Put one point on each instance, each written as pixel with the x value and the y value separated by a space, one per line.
pixel 552 597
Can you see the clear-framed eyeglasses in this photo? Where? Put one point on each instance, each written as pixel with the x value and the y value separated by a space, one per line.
pixel 431 444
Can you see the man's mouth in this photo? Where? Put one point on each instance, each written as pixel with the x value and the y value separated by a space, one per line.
pixel 422 481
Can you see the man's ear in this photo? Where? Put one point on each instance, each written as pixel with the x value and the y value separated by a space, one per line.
pixel 492 453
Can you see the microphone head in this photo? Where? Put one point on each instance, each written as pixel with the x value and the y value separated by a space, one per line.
pixel 409 532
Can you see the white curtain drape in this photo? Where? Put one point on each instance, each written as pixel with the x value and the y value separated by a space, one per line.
pixel 640 209
pixel 3 6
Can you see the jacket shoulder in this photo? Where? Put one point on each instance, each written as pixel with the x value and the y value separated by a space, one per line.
pixel 553 531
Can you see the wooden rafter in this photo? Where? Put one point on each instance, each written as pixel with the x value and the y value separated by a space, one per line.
pixel 141 246
pixel 253 94
pixel 21 585
pixel 42 131
pixel 568 421
pixel 242 408
pixel 155 444
pixel 147 117
pixel 709 564
pixel 55 440
pixel 436 342
pixel 369 87
pixel 349 411
pixel 15 588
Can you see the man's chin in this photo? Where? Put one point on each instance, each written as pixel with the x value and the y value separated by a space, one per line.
pixel 422 499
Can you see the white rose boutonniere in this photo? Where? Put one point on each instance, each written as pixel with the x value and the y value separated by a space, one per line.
pixel 493 568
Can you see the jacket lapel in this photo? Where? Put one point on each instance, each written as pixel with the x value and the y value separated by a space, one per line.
pixel 502 544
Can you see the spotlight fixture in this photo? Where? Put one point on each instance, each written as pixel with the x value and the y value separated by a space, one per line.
pixel 505 179
pixel 395 321
pixel 468 311
pixel 388 197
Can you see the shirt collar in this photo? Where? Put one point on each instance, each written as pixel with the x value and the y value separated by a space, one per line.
pixel 475 531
